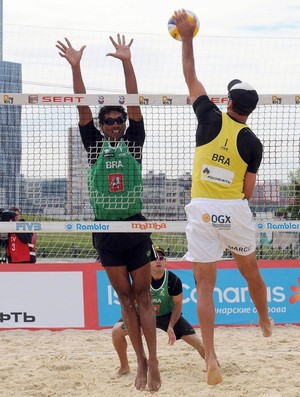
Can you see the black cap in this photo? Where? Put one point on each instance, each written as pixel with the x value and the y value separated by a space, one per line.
pixel 243 95
pixel 159 249
pixel 7 215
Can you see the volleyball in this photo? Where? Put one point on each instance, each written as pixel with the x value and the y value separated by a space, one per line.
pixel 172 26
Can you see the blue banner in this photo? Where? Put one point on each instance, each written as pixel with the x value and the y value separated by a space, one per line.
pixel 232 301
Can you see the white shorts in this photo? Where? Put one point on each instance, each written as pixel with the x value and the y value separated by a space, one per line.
pixel 215 225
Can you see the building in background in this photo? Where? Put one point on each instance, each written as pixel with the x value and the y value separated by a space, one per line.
pixel 10 129
pixel 165 198
pixel 78 202
pixel 46 197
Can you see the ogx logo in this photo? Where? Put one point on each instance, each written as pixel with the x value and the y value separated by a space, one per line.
pixel 216 218
pixel 206 218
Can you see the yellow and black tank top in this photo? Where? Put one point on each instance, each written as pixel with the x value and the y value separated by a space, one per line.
pixel 219 170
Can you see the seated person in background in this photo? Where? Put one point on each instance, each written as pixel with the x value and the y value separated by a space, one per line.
pixel 168 308
pixel 21 247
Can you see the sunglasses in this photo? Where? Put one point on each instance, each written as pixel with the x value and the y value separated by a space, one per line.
pixel 161 258
pixel 111 121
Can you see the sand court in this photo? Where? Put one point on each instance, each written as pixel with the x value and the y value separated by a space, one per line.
pixel 83 364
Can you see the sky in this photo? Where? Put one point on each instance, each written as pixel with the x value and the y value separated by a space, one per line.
pixel 257 41
pixel 230 17
pixel 31 28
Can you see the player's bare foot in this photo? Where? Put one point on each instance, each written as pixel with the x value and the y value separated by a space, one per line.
pixel 214 375
pixel 153 380
pixel 141 376
pixel 122 370
pixel 267 327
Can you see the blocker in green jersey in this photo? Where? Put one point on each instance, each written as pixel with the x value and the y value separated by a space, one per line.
pixel 115 187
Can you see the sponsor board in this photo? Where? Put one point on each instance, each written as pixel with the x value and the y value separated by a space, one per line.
pixel 46 299
pixel 233 304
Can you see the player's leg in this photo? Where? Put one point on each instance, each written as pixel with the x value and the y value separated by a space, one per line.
pixel 195 341
pixel 120 281
pixel 141 284
pixel 205 275
pixel 257 289
pixel 118 253
pixel 119 333
pixel 192 338
pixel 184 330
pixel 241 240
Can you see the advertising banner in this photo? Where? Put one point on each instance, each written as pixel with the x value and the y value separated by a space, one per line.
pixel 60 296
pixel 233 304
pixel 45 299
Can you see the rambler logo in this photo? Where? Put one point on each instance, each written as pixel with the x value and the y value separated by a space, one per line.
pixel 148 225
pixel 283 226
pixel 92 227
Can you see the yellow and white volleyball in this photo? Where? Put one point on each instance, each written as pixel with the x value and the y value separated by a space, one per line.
pixel 172 26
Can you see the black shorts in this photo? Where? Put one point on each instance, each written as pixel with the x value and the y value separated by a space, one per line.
pixel 132 250
pixel 181 328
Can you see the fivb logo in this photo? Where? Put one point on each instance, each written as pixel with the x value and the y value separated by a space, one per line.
pixel 28 226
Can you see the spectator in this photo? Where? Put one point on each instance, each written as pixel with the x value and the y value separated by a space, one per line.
pixel 21 247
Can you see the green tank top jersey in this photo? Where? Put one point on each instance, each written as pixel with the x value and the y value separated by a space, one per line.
pixel 162 301
pixel 115 183
pixel 219 170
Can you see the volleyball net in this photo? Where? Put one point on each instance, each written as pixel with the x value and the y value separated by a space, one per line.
pixel 44 171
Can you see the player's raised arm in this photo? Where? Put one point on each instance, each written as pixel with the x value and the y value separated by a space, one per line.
pixel 186 31
pixel 74 57
pixel 124 54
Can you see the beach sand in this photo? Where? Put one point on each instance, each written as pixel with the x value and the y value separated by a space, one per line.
pixel 82 363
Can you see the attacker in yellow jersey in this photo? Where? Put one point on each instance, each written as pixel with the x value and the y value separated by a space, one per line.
pixel 227 157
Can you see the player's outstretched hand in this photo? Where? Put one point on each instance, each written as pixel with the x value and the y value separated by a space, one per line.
pixel 67 51
pixel 122 49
